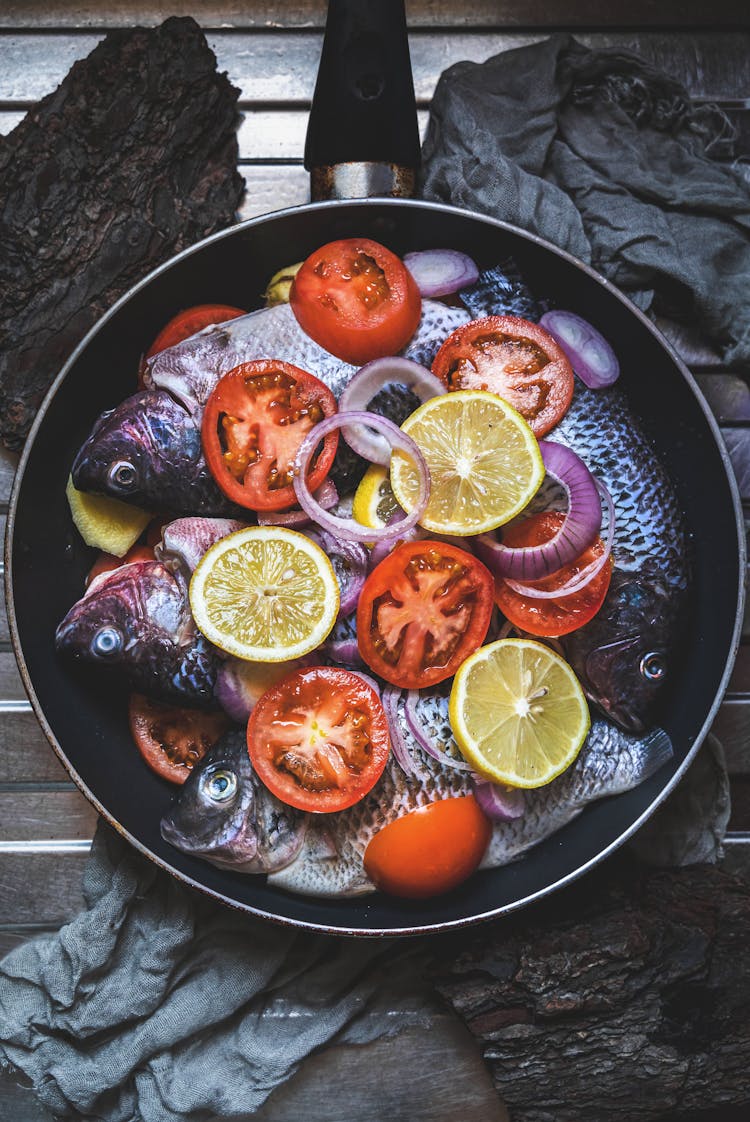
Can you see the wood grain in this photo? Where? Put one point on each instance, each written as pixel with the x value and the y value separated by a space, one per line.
pixel 280 66
pixel 44 815
pixel 432 13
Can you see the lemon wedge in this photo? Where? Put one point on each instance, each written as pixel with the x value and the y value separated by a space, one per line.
pixel 484 461
pixel 106 524
pixel 518 712
pixel 265 594
pixel 374 501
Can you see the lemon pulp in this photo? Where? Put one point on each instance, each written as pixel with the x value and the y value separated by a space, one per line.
pixel 265 594
pixel 484 461
pixel 518 712
pixel 374 501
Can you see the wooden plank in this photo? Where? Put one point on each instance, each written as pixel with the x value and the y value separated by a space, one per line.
pixel 732 726
pixel 11 688
pixel 740 816
pixel 736 857
pixel 280 66
pixel 25 755
pixel 44 815
pixel 40 887
pixel 8 461
pixel 420 13
pixel 739 683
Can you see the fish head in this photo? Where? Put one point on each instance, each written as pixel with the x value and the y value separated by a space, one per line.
pixel 133 451
pixel 224 814
pixel 136 620
pixel 623 656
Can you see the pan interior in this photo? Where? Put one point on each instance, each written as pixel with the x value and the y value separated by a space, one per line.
pixel 87 718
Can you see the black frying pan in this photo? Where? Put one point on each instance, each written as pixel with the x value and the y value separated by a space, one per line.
pixel 46 560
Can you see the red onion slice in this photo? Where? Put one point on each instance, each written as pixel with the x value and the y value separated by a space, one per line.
pixel 326 495
pixel 366 384
pixel 580 580
pixel 590 354
pixel 350 562
pixel 425 743
pixel 390 699
pixel 348 528
pixel 580 528
pixel 441 272
pixel 344 651
pixel 501 804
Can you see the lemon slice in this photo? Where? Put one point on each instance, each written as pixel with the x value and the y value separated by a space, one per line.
pixel 518 712
pixel 484 461
pixel 106 524
pixel 374 501
pixel 265 594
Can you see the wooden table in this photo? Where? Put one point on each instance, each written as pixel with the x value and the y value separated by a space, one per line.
pixel 271 52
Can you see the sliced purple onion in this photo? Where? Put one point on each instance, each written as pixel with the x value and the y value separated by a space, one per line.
pixel 326 495
pixel 425 742
pixel 501 804
pixel 349 560
pixel 366 384
pixel 441 272
pixel 240 684
pixel 381 549
pixel 343 651
pixel 580 528
pixel 372 682
pixel 390 698
pixel 591 356
pixel 348 528
pixel 586 575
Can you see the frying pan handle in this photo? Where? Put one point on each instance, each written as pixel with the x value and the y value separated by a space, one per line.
pixel 362 136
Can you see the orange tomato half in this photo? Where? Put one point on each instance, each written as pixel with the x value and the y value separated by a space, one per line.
pixel 429 850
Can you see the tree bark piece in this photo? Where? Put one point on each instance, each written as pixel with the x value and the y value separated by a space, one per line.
pixel 625 999
pixel 131 159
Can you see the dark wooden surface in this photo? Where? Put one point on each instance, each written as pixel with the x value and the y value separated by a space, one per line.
pixel 270 51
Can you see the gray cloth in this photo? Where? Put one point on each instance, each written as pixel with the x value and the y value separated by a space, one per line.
pixel 156 1004
pixel 604 156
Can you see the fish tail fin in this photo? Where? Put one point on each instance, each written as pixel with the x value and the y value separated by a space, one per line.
pixel 657 751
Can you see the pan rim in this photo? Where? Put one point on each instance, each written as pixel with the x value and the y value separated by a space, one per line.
pixel 446 925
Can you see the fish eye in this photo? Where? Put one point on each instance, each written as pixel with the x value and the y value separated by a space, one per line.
pixel 218 784
pixel 107 641
pixel 122 474
pixel 653 666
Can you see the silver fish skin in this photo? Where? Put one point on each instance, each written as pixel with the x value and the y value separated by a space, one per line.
pixel 136 622
pixel 330 863
pixel 184 541
pixel 224 814
pixel 627 653
pixel 148 449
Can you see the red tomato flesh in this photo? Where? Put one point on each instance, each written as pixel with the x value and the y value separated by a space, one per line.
pixel 517 360
pixel 173 740
pixel 429 850
pixel 253 424
pixel 357 299
pixel 319 738
pixel 552 618
pixel 190 321
pixel 422 611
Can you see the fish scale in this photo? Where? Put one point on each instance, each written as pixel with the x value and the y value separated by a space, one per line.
pixel 650 527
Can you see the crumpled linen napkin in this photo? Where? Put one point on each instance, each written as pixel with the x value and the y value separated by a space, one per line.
pixel 155 1003
pixel 606 157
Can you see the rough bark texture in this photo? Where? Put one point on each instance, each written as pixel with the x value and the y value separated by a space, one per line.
pixel 131 159
pixel 627 1000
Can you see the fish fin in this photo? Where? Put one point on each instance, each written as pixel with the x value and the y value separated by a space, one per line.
pixel 658 751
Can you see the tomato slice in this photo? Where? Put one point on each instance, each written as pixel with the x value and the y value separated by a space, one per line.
pixel 517 360
pixel 108 562
pixel 189 321
pixel 253 424
pixel 552 618
pixel 422 611
pixel 357 299
pixel 319 738
pixel 429 850
pixel 170 739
